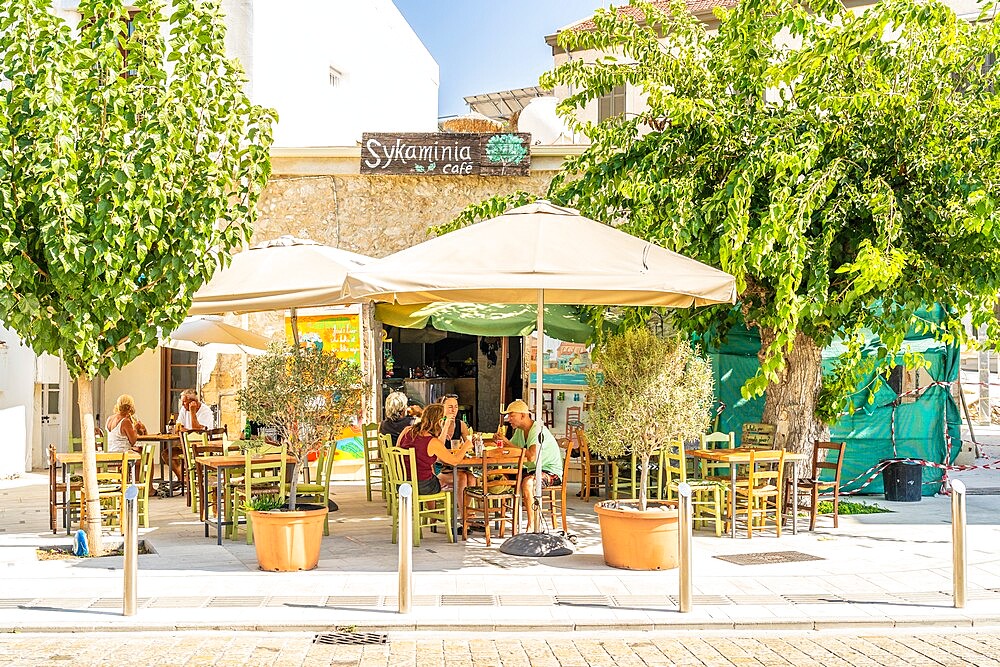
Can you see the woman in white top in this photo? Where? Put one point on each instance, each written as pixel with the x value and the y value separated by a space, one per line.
pixel 123 427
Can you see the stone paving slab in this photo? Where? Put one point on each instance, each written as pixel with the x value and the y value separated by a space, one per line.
pixel 458 647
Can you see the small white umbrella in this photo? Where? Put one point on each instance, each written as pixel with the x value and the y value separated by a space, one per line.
pixel 204 331
pixel 541 253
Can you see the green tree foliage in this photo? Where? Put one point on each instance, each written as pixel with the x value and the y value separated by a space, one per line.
pixel 308 395
pixel 843 167
pixel 650 392
pixel 130 166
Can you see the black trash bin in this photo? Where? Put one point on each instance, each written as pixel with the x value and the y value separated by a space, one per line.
pixel 901 481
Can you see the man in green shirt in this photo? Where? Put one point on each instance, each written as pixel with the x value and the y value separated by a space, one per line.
pixel 525 434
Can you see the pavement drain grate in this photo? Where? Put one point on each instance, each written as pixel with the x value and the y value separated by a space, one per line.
pixel 231 601
pixel 353 601
pixel 760 600
pixel 116 603
pixel 525 600
pixel 820 598
pixel 63 603
pixel 15 603
pixel 293 601
pixel 712 600
pixel 351 638
pixel 584 600
pixel 179 603
pixel 643 601
pixel 768 557
pixel 472 600
pixel 392 601
pixel 984 491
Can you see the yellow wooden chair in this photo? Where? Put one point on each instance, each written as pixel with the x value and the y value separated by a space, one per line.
pixel 626 475
pixel 374 464
pixel 759 497
pixel 594 469
pixel 429 511
pixel 144 481
pixel 708 497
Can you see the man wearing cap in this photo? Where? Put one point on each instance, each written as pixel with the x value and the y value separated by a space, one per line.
pixel 525 434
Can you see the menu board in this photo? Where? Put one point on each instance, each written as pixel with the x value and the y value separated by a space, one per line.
pixel 339 333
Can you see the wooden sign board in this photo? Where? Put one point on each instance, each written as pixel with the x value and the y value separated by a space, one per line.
pixel 446 154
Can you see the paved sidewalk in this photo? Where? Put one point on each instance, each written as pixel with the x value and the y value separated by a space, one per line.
pixel 964 648
pixel 879 571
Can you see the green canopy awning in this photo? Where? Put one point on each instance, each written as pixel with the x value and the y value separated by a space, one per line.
pixel 477 319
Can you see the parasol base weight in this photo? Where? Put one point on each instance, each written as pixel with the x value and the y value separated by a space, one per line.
pixel 538 545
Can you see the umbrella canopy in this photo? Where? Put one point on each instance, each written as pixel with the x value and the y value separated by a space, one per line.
pixel 286 272
pixel 479 319
pixel 573 259
pixel 212 331
pixel 541 253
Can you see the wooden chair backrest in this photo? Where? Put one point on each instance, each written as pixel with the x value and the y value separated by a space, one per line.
pixel 502 477
pixel 766 475
pixel 674 464
pixel 76 444
pixel 828 456
pixel 567 445
pixel 758 436
pixel 370 436
pixel 264 477
pixel 402 465
pixel 324 463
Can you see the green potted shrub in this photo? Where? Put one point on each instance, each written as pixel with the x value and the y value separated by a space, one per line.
pixel 649 392
pixel 308 396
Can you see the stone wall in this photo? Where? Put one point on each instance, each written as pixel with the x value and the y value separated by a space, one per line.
pixel 375 215
pixel 319 194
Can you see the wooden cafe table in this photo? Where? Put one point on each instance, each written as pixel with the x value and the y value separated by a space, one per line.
pixel 222 464
pixel 68 460
pixel 741 456
pixel 168 439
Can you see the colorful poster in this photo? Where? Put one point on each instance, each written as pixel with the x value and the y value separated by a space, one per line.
pixel 337 333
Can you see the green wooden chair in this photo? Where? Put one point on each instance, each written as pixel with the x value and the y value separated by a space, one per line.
pixel 144 480
pixel 258 479
pixel 318 491
pixel 711 469
pixel 429 511
pixel 374 465
pixel 626 476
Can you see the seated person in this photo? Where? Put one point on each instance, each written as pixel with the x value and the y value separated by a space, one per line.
pixel 123 427
pixel 425 439
pixel 397 418
pixel 526 431
pixel 193 416
pixel 453 429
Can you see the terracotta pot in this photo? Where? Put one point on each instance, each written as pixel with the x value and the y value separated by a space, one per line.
pixel 635 540
pixel 288 541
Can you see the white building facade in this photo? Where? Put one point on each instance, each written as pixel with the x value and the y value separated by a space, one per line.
pixel 332 69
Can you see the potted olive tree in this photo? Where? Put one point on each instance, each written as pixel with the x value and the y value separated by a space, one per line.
pixel 649 392
pixel 308 396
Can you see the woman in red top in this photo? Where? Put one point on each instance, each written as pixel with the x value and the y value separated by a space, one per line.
pixel 424 438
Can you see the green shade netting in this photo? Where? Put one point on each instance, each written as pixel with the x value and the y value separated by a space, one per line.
pixel 478 319
pixel 928 428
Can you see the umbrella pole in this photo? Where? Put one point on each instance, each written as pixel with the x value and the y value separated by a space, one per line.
pixel 295 328
pixel 538 543
pixel 503 374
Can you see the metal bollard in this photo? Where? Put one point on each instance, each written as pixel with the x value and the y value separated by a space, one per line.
pixel 405 535
pixel 130 548
pixel 684 544
pixel 958 560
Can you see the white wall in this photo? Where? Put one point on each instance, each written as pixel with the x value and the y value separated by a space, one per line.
pixel 141 379
pixel 17 397
pixel 389 83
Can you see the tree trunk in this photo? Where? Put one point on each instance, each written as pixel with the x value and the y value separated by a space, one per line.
pixel 294 482
pixel 643 481
pixel 92 502
pixel 790 403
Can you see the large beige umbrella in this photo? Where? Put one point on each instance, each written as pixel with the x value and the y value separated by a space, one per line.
pixel 286 272
pixel 541 253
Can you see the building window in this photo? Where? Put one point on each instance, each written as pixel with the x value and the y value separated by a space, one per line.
pixel 612 104
pixel 180 372
pixel 336 76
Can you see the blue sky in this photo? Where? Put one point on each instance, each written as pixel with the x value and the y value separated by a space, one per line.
pixel 483 46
